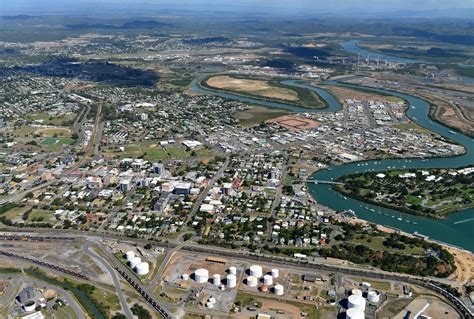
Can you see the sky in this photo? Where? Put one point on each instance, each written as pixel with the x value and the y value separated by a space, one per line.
pixel 321 6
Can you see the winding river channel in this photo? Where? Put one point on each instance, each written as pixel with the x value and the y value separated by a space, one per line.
pixel 457 229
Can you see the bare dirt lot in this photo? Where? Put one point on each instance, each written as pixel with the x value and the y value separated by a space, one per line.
pixel 428 306
pixel 294 122
pixel 254 87
pixel 464 265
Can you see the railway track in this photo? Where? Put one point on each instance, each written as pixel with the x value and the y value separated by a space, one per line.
pixel 45 264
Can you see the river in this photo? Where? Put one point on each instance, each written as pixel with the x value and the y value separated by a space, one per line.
pixel 352 47
pixel 455 230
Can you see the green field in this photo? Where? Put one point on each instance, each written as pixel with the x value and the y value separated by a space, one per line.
pixel 376 243
pixel 50 141
pixel 24 131
pixel 56 144
pixel 65 312
pixel 154 152
pixel 15 213
pixel 41 215
pixel 55 120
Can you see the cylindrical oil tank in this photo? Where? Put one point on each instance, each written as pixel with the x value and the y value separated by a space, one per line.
pixel 142 268
pixel 356 301
pixel 134 262
pixel 209 305
pixel 29 306
pixel 268 280
pixel 201 275
pixel 252 281
pixel 275 273
pixel 129 255
pixel 256 271
pixel 356 291
pixel 279 290
pixel 373 296
pixel 366 285
pixel 354 313
pixel 232 270
pixel 231 280
pixel 216 279
pixel 185 277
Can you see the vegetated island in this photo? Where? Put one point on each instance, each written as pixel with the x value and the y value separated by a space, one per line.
pixel 433 193
pixel 270 90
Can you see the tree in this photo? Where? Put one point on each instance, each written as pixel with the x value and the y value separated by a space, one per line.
pixel 140 312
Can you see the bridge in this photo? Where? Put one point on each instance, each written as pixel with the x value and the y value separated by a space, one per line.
pixel 316 181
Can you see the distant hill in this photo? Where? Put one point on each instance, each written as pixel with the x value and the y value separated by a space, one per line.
pixel 206 40
pixel 133 24
pixel 448 38
pixel 18 17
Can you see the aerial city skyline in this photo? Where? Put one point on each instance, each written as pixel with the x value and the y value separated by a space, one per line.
pixel 236 159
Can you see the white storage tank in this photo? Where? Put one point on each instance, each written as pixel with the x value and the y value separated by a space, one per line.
pixel 356 301
pixel 366 285
pixel 216 279
pixel 201 275
pixel 29 306
pixel 256 271
pixel 279 290
pixel 231 280
pixel 134 262
pixel 373 296
pixel 185 277
pixel 354 313
pixel 129 255
pixel 356 292
pixel 142 269
pixel 209 305
pixel 252 281
pixel 232 270
pixel 268 280
pixel 275 273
